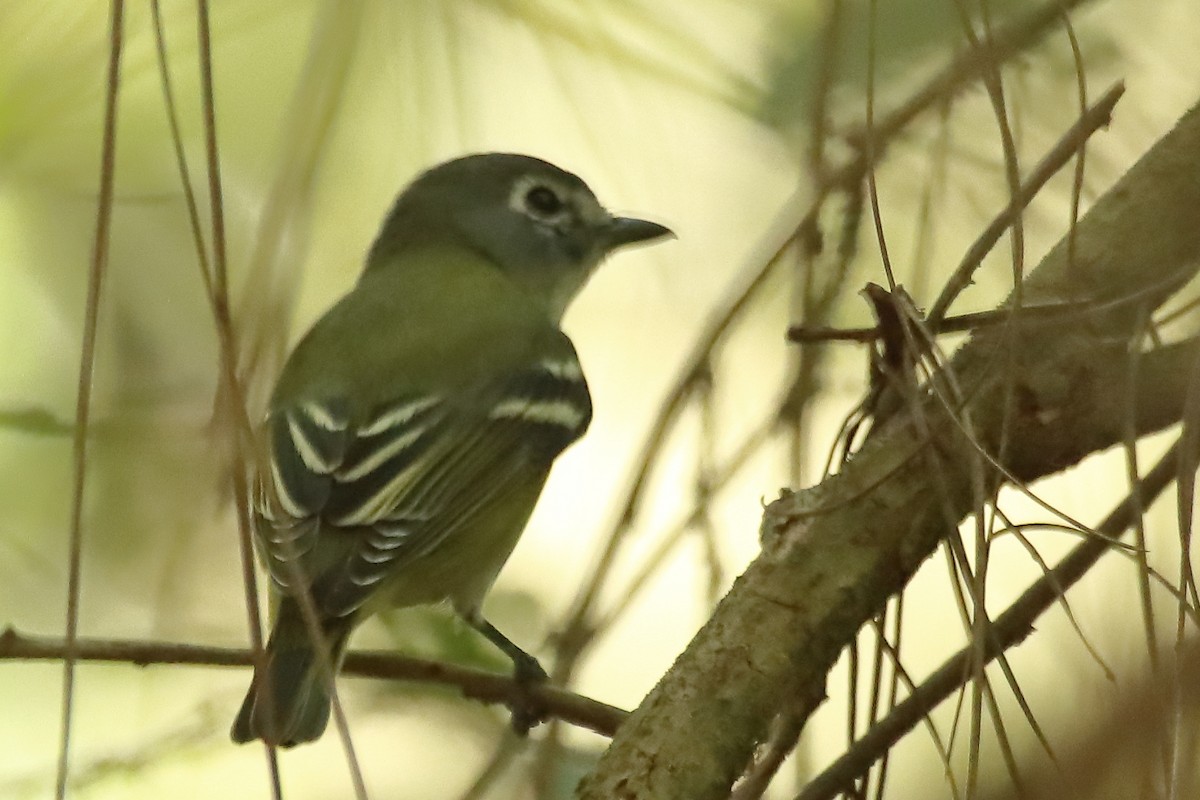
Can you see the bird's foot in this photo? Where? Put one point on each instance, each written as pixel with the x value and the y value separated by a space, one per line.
pixel 528 711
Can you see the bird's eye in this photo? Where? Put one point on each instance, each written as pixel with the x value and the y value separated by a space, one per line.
pixel 543 201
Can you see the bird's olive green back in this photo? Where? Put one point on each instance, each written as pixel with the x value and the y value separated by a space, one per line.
pixel 436 320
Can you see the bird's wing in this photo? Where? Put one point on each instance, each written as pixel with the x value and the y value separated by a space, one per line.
pixel 348 503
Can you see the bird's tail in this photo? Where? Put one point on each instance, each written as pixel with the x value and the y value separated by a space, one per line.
pixel 288 702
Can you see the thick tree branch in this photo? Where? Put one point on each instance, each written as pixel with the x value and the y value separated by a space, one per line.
pixel 486 687
pixel 835 553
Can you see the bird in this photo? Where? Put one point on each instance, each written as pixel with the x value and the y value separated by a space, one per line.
pixel 412 428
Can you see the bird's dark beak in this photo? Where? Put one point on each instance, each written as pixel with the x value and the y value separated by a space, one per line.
pixel 621 231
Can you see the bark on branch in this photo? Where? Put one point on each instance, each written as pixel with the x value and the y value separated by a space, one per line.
pixel 836 552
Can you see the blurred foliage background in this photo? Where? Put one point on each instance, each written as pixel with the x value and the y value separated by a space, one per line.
pixel 697 114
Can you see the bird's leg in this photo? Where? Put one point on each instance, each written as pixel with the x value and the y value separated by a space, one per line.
pixel 527 712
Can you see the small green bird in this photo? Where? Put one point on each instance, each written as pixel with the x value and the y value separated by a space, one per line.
pixel 412 428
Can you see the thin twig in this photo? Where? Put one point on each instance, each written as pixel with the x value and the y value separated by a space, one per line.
pixel 1067 146
pixel 1008 629
pixel 195 227
pixel 920 274
pixel 967 68
pixel 83 401
pixel 893 644
pixel 993 82
pixel 475 684
pixel 960 323
pixel 885 260
pixel 217 284
pixel 1143 572
pixel 235 402
pixel 1081 158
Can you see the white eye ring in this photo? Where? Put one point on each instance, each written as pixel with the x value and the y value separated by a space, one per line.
pixel 541 200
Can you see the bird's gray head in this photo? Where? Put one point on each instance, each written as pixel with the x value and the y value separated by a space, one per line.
pixel 539 224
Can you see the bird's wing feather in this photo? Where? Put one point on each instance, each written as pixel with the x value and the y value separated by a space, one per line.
pixel 348 503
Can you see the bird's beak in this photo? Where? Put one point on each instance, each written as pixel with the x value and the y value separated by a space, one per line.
pixel 621 231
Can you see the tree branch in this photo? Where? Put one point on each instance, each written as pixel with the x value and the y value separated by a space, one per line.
pixel 1009 630
pixel 475 684
pixel 835 553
